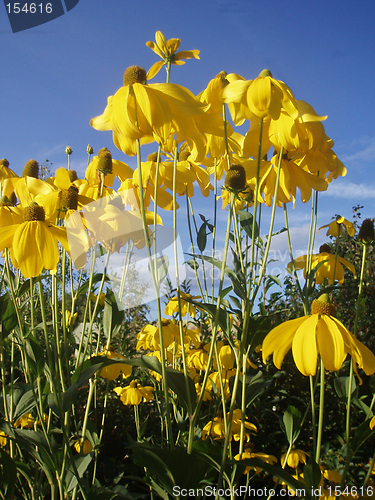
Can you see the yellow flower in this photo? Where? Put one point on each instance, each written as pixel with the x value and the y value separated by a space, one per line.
pixel 134 393
pixel 330 266
pixel 295 457
pixel 318 333
pixel 335 227
pixel 249 453
pixel 3 439
pixel 149 336
pixel 261 97
pixel 372 423
pixel 86 448
pixel 150 112
pixel 186 305
pixel 111 372
pixel 34 242
pixel 25 422
pixel 167 51
pixel 216 427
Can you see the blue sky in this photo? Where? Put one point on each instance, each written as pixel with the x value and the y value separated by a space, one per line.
pixel 57 76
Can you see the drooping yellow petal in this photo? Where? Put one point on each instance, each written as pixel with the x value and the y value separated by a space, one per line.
pixel 304 346
pixel 279 341
pixel 330 343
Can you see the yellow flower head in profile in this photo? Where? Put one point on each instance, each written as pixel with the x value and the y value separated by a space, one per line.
pixel 295 457
pixel 150 113
pixel 317 334
pixel 134 393
pixel 186 306
pixel 167 51
pixel 327 265
pixel 86 448
pixel 3 439
pixel 336 227
pixel 34 242
pixel 216 427
pixel 111 372
pixel 249 453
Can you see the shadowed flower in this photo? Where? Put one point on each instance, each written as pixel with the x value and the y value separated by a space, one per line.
pixel 134 393
pixel 216 427
pixel 111 372
pixel 167 51
pixel 335 227
pixel 86 448
pixel 328 266
pixel 295 457
pixel 317 334
pixel 249 453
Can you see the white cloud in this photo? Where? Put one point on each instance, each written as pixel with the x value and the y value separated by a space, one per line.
pixel 365 151
pixel 350 190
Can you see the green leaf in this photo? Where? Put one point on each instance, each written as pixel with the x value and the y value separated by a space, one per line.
pixel 81 462
pixel 8 315
pixel 162 264
pixel 172 467
pixel 246 221
pixel 202 237
pixel 83 289
pixel 224 317
pixel 312 474
pixel 25 404
pixel 8 476
pixel 35 356
pixel 193 264
pixel 362 433
pixel 292 423
pixel 112 316
pixel 238 286
pixel 341 385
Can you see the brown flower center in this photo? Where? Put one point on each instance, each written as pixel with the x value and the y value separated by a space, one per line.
pixel 31 169
pixel 152 157
pixel 236 178
pixel 69 199
pixel 135 74
pixel 33 212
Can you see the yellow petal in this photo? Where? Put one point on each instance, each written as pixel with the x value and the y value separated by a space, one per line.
pixel 330 344
pixel 304 347
pixel 154 70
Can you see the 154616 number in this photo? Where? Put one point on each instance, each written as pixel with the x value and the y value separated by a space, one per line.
pixel 32 8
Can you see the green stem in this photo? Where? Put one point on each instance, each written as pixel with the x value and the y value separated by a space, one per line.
pixel 321 412
pixel 214 331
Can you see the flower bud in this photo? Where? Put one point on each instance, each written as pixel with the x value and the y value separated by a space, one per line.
pixel 68 150
pixel 89 149
pixel 104 161
pixel 264 73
